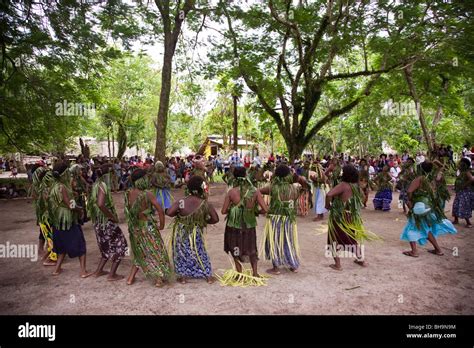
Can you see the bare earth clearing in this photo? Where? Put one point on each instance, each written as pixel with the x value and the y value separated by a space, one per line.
pixel 391 284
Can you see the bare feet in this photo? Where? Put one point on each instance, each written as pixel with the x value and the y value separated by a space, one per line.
pixel 130 281
pixel 360 263
pixel 273 270
pixel 410 253
pixel 210 280
pixel 100 273
pixel 57 272
pixel 294 270
pixel 159 283
pixel 114 277
pixel 86 274
pixel 468 225
pixel 181 280
pixel 455 222
pixel 436 252
pixel 335 267
pixel 49 262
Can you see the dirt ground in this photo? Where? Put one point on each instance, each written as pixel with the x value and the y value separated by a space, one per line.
pixel 391 284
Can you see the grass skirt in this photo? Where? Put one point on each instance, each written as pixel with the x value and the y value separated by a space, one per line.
pixel 47 233
pixel 242 279
pixel 280 241
pixel 164 198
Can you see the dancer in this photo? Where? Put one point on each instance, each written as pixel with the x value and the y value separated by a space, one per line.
pixel 464 186
pixel 383 197
pixel 333 172
pixel 64 214
pixel 80 189
pixel 439 182
pixel 280 239
pixel 345 228
pixel 318 181
pixel 240 239
pixel 426 219
pixel 161 180
pixel 110 239
pixel 304 200
pixel 192 215
pixel 407 175
pixel 364 180
pixel 149 252
pixel 42 180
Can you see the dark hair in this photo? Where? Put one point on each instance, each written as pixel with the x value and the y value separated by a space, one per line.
pixel 363 160
pixel 426 166
pixel 138 174
pixel 282 170
pixel 410 159
pixel 240 172
pixel 195 184
pixel 34 167
pixel 103 169
pixel 350 174
pixel 59 168
pixel 464 163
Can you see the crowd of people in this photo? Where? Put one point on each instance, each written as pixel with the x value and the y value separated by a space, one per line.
pixel 69 195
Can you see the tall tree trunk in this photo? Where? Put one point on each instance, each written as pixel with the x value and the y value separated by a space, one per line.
pixel 162 117
pixel 113 142
pixel 108 143
pixel 171 33
pixel 234 123
pixel 122 140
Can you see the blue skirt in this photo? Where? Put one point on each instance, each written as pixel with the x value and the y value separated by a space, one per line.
pixel 412 234
pixel 463 204
pixel 70 242
pixel 188 261
pixel 382 200
pixel 163 196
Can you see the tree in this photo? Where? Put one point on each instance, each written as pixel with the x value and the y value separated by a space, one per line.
pixel 170 11
pixel 291 57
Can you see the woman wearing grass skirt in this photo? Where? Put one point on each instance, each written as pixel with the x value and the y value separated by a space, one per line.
pixel 464 186
pixel 305 199
pixel 42 181
pixel 110 239
pixel 149 251
pixel 65 214
pixel 192 214
pixel 280 239
pixel 426 219
pixel 240 239
pixel 162 182
pixel 407 175
pixel 345 228
pixel 383 197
